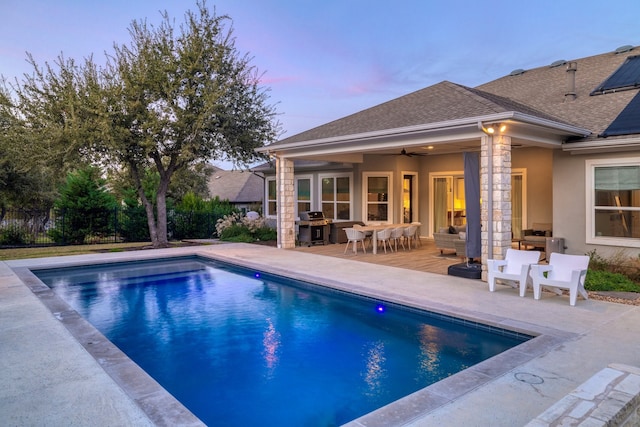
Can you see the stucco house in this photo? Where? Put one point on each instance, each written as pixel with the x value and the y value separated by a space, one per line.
pixel 558 144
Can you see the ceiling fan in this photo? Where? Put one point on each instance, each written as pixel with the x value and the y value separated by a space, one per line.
pixel 404 152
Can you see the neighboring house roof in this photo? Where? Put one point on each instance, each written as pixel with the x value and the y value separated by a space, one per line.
pixel 541 92
pixel 236 186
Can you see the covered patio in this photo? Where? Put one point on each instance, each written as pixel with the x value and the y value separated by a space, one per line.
pixel 425 258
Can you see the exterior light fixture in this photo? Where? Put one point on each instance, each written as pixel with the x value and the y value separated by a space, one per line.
pixel 493 128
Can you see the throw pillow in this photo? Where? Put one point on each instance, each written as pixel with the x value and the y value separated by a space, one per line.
pixel 452 230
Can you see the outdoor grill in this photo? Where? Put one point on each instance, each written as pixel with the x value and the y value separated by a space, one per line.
pixel 313 228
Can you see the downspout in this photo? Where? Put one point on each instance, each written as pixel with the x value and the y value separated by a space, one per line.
pixel 489 190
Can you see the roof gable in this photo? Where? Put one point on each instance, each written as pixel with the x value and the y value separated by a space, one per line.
pixel 441 102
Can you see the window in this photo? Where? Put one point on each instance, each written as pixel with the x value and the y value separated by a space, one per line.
pixel 336 194
pixel 448 204
pixel 303 194
pixel 378 196
pixel 613 202
pixel 271 197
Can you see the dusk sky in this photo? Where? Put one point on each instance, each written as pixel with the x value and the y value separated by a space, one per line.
pixel 327 59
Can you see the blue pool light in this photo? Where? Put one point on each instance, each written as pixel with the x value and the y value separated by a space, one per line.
pixel 380 308
pixel 257 275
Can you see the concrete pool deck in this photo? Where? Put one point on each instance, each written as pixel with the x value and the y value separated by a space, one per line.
pixel 49 377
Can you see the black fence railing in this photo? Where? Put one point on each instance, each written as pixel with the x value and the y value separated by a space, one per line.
pixel 42 227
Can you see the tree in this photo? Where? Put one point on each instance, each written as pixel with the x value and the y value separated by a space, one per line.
pixel 86 206
pixel 24 182
pixel 171 100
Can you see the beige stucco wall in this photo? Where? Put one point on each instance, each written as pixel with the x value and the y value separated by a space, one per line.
pixel 538 163
pixel 569 201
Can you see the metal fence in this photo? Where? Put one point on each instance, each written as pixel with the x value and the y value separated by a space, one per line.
pixel 42 227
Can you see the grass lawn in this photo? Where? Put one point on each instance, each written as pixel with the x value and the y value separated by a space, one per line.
pixel 49 251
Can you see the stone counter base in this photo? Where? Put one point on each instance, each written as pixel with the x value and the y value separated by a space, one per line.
pixel 609 398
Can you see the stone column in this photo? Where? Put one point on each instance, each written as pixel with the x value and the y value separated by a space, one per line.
pixel 285 208
pixel 495 193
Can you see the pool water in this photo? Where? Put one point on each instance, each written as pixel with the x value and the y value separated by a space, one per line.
pixel 239 348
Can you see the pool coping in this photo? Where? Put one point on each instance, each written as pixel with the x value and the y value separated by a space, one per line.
pixel 163 409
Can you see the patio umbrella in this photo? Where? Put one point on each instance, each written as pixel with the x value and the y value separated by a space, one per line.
pixel 472 203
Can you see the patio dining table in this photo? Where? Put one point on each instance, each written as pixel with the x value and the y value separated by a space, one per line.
pixel 374 228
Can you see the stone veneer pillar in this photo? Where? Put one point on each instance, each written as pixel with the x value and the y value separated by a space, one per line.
pixel 500 168
pixel 285 209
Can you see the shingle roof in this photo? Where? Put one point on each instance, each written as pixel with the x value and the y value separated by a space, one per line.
pixel 236 186
pixel 438 103
pixel 539 92
pixel 544 89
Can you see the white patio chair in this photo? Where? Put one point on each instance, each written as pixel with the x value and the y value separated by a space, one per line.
pixel 513 269
pixel 409 234
pixel 354 236
pixel 563 272
pixel 384 237
pixel 397 234
pixel 417 236
pixel 368 235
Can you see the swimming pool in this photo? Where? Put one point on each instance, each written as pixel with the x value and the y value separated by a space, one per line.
pixel 257 344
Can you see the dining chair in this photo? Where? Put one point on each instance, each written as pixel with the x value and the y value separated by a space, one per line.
pixel 409 234
pixel 397 234
pixel 384 237
pixel 354 236
pixel 368 235
pixel 418 224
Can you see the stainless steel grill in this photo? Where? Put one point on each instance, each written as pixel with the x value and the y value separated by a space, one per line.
pixel 313 228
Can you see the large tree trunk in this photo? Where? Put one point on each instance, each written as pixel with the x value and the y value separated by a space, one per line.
pixel 161 210
pixel 161 221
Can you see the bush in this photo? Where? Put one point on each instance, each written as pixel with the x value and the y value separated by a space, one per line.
pixel 265 234
pixel 598 280
pixel 620 272
pixel 14 236
pixel 85 207
pixel 236 228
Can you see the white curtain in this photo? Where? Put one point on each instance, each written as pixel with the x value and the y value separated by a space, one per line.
pixel 516 206
pixel 440 198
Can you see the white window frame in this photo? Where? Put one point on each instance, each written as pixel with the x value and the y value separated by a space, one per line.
pixel 365 191
pixel 591 237
pixel 311 195
pixel 414 199
pixel 265 209
pixel 454 174
pixel 335 176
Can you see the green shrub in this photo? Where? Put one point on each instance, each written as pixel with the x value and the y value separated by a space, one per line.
pixel 241 238
pixel 14 236
pixel 598 280
pixel 85 207
pixel 234 230
pixel 265 234
pixel 618 272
